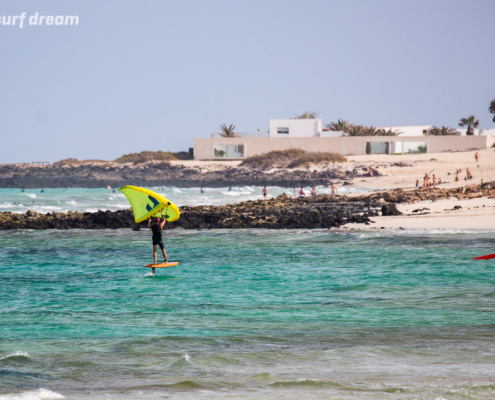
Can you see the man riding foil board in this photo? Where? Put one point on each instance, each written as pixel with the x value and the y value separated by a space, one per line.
pixel 156 228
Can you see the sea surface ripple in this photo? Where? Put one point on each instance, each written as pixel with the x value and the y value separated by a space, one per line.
pixel 247 314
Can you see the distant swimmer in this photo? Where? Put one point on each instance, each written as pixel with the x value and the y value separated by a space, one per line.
pixel 230 188
pixel 264 192
pixel 22 190
pixel 202 190
pixel 42 191
pixel 156 228
pixel 313 192
pixel 113 191
pixel 302 195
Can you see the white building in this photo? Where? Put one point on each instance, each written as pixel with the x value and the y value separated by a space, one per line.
pixel 308 135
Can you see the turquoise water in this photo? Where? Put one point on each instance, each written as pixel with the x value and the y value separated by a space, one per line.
pixel 247 315
pixel 90 200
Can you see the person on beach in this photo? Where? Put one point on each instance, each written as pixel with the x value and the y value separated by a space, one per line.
pixel 295 195
pixel 477 157
pixel 334 188
pixel 469 176
pixel 417 182
pixel 302 195
pixel 434 181
pixel 264 192
pixel 457 177
pixel 156 228
pixel 313 192
pixel 202 190
pixel 426 180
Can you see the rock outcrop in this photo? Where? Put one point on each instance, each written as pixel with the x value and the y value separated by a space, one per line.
pixel 166 174
pixel 283 212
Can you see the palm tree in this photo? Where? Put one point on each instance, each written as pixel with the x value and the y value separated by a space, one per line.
pixel 227 131
pixel 355 130
pixel 389 132
pixel 471 122
pixel 443 131
pixel 307 115
pixel 492 109
pixel 370 131
pixel 340 125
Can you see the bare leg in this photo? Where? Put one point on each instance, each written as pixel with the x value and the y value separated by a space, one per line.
pixel 164 255
pixel 154 253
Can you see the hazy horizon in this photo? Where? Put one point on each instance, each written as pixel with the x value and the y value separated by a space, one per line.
pixel 152 75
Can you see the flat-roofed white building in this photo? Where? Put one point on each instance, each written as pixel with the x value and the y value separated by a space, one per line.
pixel 308 135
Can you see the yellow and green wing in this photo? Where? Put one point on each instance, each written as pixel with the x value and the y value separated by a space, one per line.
pixel 145 204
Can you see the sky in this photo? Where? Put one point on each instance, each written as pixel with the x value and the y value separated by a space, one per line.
pixel 154 74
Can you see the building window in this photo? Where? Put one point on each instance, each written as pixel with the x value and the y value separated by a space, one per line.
pixel 283 131
pixel 414 147
pixel 228 151
pixel 377 147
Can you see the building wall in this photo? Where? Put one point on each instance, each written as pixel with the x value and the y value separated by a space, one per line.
pixel 297 127
pixel 203 148
pixel 408 130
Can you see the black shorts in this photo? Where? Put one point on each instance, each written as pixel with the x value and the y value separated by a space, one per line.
pixel 158 243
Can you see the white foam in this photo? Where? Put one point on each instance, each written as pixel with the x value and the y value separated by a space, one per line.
pixel 31 195
pixel 40 394
pixel 187 357
pixel 72 202
pixel 16 354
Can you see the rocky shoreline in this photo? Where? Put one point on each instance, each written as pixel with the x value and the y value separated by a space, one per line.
pixel 167 174
pixel 282 212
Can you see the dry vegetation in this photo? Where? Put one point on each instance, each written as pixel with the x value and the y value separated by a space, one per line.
pixel 291 158
pixel 135 158
pixel 145 156
pixel 68 161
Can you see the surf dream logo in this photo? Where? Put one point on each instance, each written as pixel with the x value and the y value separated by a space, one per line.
pixel 37 19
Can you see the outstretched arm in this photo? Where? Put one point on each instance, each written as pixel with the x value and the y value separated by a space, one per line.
pixel 163 223
pixel 149 222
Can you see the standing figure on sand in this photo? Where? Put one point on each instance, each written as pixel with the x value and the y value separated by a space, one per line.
pixel 334 188
pixel 156 228
pixel 302 195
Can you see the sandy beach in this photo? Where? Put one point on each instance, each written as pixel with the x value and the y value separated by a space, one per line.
pixel 440 164
pixel 474 214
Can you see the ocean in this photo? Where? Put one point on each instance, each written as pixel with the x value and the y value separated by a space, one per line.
pixel 247 314
pixel 91 200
